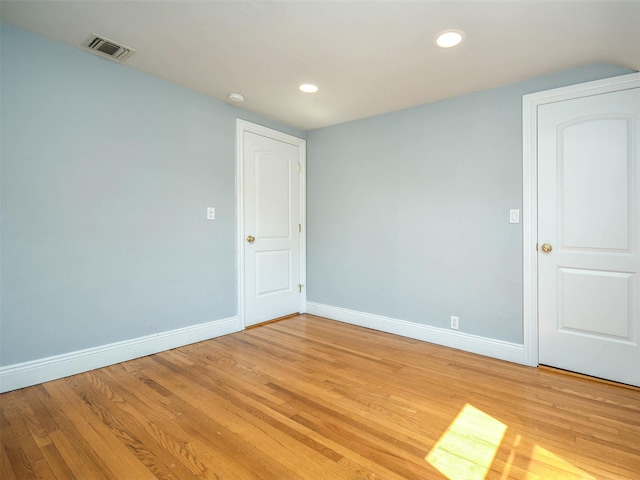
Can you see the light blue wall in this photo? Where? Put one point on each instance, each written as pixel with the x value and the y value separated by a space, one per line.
pixel 106 176
pixel 408 212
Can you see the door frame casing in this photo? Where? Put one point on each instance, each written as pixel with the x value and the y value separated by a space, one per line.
pixel 530 104
pixel 243 126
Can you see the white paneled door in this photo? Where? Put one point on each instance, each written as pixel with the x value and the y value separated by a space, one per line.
pixel 271 223
pixel 588 235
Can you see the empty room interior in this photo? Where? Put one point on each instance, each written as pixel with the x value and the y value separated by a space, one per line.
pixel 320 239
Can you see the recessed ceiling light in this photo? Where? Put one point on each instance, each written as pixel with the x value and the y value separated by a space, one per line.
pixel 449 38
pixel 308 88
pixel 236 97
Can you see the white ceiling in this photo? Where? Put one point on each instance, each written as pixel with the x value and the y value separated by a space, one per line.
pixel 367 57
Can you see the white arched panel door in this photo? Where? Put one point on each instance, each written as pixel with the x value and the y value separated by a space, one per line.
pixel 271 219
pixel 588 235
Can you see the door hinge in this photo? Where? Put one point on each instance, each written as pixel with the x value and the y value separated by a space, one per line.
pixel 299 168
pixel 299 228
pixel 300 287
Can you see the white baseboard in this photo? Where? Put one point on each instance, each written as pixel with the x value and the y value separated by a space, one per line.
pixel 489 347
pixel 22 375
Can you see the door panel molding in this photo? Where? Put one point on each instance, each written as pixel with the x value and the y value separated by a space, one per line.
pixel 530 104
pixel 243 127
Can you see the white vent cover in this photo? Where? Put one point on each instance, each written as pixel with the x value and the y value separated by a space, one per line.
pixel 107 48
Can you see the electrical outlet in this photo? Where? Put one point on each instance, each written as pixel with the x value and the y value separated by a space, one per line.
pixel 211 213
pixel 454 322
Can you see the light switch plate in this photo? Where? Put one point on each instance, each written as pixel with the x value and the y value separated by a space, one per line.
pixel 514 216
pixel 211 213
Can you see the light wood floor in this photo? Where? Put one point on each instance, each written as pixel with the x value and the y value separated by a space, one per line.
pixel 315 399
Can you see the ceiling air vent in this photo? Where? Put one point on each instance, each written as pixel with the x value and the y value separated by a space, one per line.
pixel 107 48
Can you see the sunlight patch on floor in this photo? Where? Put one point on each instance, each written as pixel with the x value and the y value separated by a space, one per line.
pixel 545 464
pixel 467 449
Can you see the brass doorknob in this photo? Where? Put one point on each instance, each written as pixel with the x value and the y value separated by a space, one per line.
pixel 251 239
pixel 547 247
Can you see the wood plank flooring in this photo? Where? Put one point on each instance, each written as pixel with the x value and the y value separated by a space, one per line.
pixel 310 398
